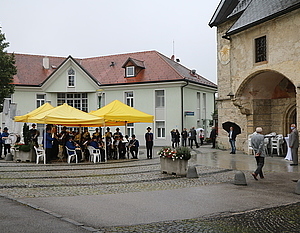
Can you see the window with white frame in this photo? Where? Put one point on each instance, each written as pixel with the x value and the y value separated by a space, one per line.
pixel 71 77
pixel 101 100
pixel 76 100
pixel 129 98
pixel 130 129
pixel 160 129
pixel 40 100
pixel 159 98
pixel 130 72
pixel 203 106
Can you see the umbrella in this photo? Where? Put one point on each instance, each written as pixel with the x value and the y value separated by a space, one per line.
pixel 226 126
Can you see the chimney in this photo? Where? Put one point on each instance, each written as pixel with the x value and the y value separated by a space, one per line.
pixel 173 57
pixel 46 63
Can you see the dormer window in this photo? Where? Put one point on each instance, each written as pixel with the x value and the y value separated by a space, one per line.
pixel 130 71
pixel 71 78
pixel 133 67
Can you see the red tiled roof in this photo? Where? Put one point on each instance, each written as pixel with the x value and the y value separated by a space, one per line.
pixel 157 68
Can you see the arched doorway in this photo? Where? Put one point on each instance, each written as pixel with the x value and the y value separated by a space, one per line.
pixel 291 117
pixel 268 99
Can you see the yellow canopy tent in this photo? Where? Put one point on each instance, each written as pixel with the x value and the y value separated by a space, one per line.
pixel 68 116
pixel 43 108
pixel 118 113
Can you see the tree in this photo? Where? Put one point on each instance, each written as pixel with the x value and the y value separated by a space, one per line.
pixel 7 71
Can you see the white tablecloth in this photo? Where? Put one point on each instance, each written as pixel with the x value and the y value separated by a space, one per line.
pixel 289 151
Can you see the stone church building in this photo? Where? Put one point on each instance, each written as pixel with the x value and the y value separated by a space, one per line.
pixel 258 44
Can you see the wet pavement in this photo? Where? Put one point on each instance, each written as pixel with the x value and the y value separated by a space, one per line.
pixel 133 196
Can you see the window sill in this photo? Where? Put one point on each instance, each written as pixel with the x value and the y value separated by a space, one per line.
pixel 261 63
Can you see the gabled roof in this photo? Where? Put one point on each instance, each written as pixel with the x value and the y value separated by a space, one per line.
pixel 250 12
pixel 135 62
pixel 158 68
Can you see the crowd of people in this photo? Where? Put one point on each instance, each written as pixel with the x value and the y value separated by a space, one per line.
pixel 188 138
pixel 59 144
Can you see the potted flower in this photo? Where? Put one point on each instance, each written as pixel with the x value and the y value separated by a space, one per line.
pixel 174 161
pixel 24 149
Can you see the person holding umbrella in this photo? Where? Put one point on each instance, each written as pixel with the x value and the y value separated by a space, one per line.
pixel 233 130
pixel 232 136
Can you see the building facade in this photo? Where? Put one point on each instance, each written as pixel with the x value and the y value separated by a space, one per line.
pixel 258 47
pixel 148 81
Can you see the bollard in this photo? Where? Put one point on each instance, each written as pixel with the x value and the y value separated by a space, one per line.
pixel 8 157
pixel 192 172
pixel 239 178
pixel 298 187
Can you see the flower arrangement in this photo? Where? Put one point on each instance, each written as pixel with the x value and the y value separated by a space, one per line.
pixel 27 145
pixel 23 147
pixel 179 153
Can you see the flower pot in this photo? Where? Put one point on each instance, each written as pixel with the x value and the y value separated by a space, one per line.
pixel 174 167
pixel 22 156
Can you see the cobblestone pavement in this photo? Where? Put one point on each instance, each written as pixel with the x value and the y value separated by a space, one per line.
pixel 277 219
pixel 27 180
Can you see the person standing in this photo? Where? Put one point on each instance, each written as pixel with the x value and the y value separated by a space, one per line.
pixel 149 142
pixel 193 137
pixel 48 146
pixel 122 147
pixel 213 136
pixel 232 136
pixel 294 144
pixel 1 144
pixel 177 138
pixel 201 136
pixel 34 135
pixel 117 134
pixel 173 139
pixel 257 143
pixel 96 134
pixel 5 141
pixel 184 136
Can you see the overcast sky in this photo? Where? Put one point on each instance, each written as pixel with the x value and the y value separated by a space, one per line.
pixel 90 28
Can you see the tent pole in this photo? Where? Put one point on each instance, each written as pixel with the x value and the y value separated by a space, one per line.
pixel 105 152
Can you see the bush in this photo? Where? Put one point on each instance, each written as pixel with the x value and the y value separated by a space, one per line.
pixel 23 147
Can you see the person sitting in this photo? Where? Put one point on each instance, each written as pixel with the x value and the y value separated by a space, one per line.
pixel 72 145
pixel 98 145
pixel 134 147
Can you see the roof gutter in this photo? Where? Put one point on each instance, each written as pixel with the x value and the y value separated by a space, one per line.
pixel 182 112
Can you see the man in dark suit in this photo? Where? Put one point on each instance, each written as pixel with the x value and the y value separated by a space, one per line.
pixel 294 144
pixel 213 136
pixel 149 142
pixel 232 136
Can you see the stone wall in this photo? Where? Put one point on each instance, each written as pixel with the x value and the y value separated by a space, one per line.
pixel 283 57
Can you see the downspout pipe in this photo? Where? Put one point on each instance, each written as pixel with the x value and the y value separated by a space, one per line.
pixel 182 112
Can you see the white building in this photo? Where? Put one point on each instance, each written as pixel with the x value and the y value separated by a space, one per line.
pixel 148 81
